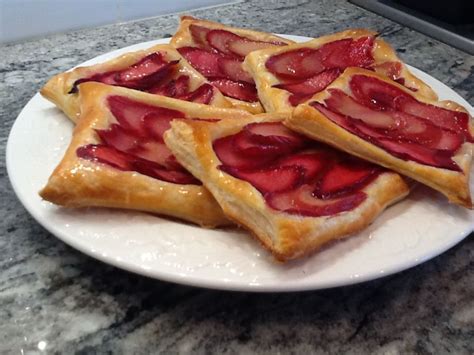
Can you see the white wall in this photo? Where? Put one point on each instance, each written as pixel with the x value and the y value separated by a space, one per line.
pixel 23 19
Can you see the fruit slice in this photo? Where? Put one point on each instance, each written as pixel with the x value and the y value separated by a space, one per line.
pixel 348 53
pixel 242 47
pixel 156 152
pixel 345 177
pixel 202 95
pixel 232 69
pixel 118 138
pixel 199 35
pixel 107 155
pixel 236 89
pixel 275 133
pixel 301 201
pixel 145 67
pixel 205 62
pixel 130 114
pixel 266 180
pixel 230 155
pixel 312 163
pixel 296 64
pixel 220 40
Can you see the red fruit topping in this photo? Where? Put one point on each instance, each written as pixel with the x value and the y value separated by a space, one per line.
pixel 236 89
pixel 421 154
pixel 174 88
pixel 107 155
pixel 348 53
pixel 153 151
pixel 220 40
pixel 145 67
pixel 272 179
pixel 446 119
pixel 205 62
pixel 294 178
pixel 232 69
pixel 118 138
pixel 345 176
pixel 202 95
pixel 242 47
pixel 158 172
pixel 306 62
pixel 374 93
pixel 230 155
pixel 303 90
pixel 311 163
pixel 299 63
pixel 131 114
pixel 199 35
pixel 275 133
pixel 302 201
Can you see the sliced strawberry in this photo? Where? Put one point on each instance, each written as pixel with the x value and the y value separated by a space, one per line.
pixel 242 46
pixel 228 154
pixel 268 179
pixel 202 95
pixel 106 155
pixel 313 84
pixel 249 145
pixel 149 81
pixel 106 78
pixel 345 105
pixel 301 201
pixel 173 88
pixel 446 119
pixel 236 89
pixel 297 64
pixel 199 35
pixel 156 171
pixel 421 154
pixel 346 177
pixel 153 151
pixel 130 114
pixel 232 69
pixel 348 53
pixel 205 62
pixel 275 133
pixel 375 93
pixel 156 125
pixel 312 163
pixel 118 138
pixel 220 40
pixel 340 120
pixel 145 67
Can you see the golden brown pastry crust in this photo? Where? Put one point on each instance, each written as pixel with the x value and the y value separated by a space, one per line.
pixel 309 121
pixel 287 236
pixel 276 100
pixel 58 87
pixel 183 38
pixel 79 182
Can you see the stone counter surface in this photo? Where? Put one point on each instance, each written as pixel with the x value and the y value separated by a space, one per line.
pixel 53 299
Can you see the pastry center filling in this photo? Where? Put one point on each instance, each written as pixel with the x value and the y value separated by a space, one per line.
pixel 219 55
pixel 135 142
pixel 155 75
pixel 396 122
pixel 306 71
pixel 295 175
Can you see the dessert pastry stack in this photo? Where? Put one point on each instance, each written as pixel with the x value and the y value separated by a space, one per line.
pixel 299 143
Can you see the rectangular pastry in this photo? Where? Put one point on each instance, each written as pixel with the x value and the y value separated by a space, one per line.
pixel 158 70
pixel 292 193
pixel 117 157
pixel 217 52
pixel 288 76
pixel 377 119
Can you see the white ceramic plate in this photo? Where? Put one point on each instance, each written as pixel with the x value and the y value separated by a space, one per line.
pixel 411 232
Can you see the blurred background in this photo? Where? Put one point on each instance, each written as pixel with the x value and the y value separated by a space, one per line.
pixel 23 19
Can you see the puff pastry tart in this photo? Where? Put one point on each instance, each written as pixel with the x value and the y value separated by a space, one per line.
pixel 117 157
pixel 290 75
pixel 217 52
pixel 292 193
pixel 370 116
pixel 158 70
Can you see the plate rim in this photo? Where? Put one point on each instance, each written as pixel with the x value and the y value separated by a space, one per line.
pixel 192 280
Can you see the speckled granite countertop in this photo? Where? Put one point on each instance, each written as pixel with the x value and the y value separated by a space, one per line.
pixel 54 299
